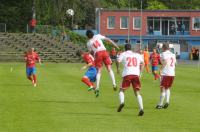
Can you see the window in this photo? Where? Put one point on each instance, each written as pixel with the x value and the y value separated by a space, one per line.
pixel 124 22
pixel 156 24
pixel 137 23
pixel 196 23
pixel 111 22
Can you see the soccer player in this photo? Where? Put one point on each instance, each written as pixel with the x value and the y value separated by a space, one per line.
pixel 96 45
pixel 155 59
pixel 146 59
pixel 167 71
pixel 113 56
pixel 130 74
pixel 31 57
pixel 90 75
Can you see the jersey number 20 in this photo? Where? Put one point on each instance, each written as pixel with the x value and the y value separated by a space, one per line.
pixel 132 61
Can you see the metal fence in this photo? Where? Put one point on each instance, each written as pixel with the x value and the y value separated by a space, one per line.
pixel 45 29
pixel 2 27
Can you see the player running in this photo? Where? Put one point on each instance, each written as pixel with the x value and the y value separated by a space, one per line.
pixel 31 57
pixel 90 75
pixel 146 59
pixel 96 45
pixel 130 74
pixel 155 59
pixel 168 60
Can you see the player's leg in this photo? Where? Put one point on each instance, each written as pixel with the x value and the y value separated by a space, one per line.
pixel 107 61
pixel 167 94
pixel 89 77
pixel 34 76
pixel 136 87
pixel 156 73
pixel 121 99
pixel 112 76
pixel 140 102
pixel 147 66
pixel 29 74
pixel 162 97
pixel 167 91
pixel 125 85
pixel 86 80
pixel 153 72
pixel 98 63
pixel 98 78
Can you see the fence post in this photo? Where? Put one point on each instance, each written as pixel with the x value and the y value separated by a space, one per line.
pixel 5 28
pixel 26 28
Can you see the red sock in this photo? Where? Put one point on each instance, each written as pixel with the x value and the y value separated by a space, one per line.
pixel 87 81
pixel 34 78
pixel 30 78
pixel 157 76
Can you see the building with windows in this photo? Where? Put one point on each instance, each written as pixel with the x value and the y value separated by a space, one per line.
pixel 150 27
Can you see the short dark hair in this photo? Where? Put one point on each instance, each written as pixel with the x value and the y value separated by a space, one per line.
pixel 89 33
pixel 165 46
pixel 79 53
pixel 127 47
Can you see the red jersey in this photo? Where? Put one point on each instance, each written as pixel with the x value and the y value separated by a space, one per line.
pixel 88 58
pixel 113 52
pixel 33 22
pixel 31 58
pixel 155 59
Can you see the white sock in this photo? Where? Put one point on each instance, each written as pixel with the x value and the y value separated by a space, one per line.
pixel 162 97
pixel 139 98
pixel 121 97
pixel 98 77
pixel 167 94
pixel 112 77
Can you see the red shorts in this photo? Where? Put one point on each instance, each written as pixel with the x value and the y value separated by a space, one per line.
pixel 102 56
pixel 131 79
pixel 166 81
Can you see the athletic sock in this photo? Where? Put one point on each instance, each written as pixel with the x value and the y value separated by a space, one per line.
pixel 167 94
pixel 98 77
pixel 157 76
pixel 86 81
pixel 162 97
pixel 139 98
pixel 34 78
pixel 121 97
pixel 112 77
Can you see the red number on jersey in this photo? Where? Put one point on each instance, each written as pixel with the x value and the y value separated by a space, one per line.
pixel 172 62
pixel 96 44
pixel 131 61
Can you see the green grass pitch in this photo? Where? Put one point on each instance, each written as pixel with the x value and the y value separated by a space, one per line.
pixel 61 103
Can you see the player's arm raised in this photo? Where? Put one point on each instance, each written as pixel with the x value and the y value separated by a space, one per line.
pixel 111 42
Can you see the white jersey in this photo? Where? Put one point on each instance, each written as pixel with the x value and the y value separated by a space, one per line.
pixel 131 62
pixel 95 44
pixel 170 59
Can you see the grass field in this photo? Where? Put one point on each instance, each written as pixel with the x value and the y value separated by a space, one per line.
pixel 61 103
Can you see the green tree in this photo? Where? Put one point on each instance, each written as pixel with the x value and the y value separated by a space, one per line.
pixel 156 5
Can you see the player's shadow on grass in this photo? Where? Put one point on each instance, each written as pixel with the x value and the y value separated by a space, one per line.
pixel 14 84
pixel 68 102
pixel 86 114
